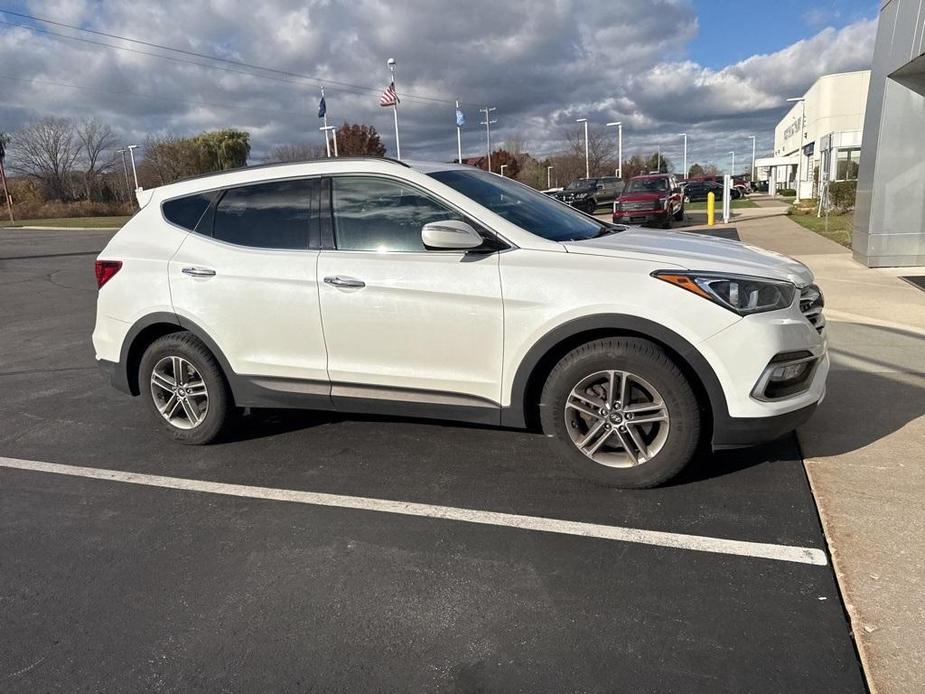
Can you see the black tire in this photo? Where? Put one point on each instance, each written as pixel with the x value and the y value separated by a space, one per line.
pixel 643 359
pixel 679 215
pixel 591 207
pixel 220 405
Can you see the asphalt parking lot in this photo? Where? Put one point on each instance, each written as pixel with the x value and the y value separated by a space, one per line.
pixel 137 583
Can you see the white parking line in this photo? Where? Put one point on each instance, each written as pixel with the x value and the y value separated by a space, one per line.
pixel 697 543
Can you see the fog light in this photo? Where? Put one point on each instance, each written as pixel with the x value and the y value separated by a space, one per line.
pixel 786 375
pixel 791 372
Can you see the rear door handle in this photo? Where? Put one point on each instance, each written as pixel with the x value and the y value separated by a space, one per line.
pixel 199 271
pixel 339 281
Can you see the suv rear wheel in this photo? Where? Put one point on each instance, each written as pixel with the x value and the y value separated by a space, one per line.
pixel 184 389
pixel 621 413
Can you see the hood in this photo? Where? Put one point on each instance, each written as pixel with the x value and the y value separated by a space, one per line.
pixel 696 252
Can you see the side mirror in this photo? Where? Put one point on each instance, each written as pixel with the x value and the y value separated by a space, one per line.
pixel 450 235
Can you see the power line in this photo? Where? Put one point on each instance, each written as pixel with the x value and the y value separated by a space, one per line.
pixel 312 78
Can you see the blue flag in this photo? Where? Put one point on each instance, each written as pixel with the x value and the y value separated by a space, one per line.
pixel 460 118
pixel 322 108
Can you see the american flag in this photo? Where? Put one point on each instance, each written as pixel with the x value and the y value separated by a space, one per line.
pixel 389 96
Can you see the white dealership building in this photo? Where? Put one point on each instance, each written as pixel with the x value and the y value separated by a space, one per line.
pixel 822 130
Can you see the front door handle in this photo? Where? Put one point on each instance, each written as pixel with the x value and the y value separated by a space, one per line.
pixel 198 271
pixel 339 281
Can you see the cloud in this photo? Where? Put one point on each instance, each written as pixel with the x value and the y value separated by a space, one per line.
pixel 541 64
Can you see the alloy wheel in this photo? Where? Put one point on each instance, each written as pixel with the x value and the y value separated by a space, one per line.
pixel 179 392
pixel 616 418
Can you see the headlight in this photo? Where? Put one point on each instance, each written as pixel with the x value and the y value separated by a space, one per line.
pixel 739 293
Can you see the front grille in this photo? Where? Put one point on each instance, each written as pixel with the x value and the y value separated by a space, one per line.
pixel 637 205
pixel 811 304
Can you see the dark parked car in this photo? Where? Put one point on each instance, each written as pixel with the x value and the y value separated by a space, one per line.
pixel 697 191
pixel 587 194
pixel 656 198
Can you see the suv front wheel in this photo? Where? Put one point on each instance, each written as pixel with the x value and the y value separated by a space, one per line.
pixel 621 413
pixel 184 389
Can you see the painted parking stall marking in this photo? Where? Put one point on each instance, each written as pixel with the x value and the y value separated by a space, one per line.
pixel 696 543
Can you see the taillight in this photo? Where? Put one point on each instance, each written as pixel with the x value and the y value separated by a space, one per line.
pixel 106 270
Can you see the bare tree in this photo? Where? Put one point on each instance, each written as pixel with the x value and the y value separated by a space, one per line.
pixel 295 152
pixel 47 151
pixel 95 141
pixel 602 150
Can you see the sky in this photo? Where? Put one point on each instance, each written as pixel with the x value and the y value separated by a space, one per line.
pixel 719 71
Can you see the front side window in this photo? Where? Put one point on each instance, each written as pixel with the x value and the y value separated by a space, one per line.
pixel 377 214
pixel 529 209
pixel 265 215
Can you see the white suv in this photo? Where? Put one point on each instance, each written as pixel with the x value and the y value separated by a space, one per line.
pixel 438 290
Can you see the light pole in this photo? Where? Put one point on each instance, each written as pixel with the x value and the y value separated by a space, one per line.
pixel 391 63
pixel 125 172
pixel 488 122
pixel 503 167
pixel 752 138
pixel 619 125
pixel 732 170
pixel 331 129
pixel 658 161
pixel 548 172
pixel 802 101
pixel 587 161
pixel 684 172
pixel 131 154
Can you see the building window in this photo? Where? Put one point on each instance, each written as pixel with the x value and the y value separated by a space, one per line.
pixel 846 168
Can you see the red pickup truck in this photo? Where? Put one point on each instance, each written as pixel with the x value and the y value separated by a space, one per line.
pixel 656 198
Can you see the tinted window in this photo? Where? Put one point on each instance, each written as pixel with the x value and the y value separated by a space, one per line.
pixel 186 212
pixel 530 210
pixel 266 215
pixel 374 214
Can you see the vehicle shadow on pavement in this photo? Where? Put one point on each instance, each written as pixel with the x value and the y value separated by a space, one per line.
pixel 874 389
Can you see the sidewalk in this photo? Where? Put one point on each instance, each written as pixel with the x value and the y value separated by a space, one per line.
pixel 865 446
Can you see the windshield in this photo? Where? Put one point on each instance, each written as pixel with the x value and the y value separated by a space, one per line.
pixel 529 209
pixel 647 185
pixel 581 184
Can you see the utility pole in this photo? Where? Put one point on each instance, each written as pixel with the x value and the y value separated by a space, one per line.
pixel 587 161
pixel 6 192
pixel 324 117
pixel 488 122
pixel 619 125
pixel 752 138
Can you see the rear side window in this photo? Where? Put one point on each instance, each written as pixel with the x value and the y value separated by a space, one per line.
pixel 187 211
pixel 265 215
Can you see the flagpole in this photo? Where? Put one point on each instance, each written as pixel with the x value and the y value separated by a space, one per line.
pixel 327 144
pixel 391 64
pixel 458 135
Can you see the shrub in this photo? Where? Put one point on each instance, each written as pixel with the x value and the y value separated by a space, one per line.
pixel 842 194
pixel 787 192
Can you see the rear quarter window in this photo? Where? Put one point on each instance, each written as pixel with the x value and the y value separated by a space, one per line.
pixel 187 211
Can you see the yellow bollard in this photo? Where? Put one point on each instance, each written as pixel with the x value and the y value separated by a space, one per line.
pixel 711 208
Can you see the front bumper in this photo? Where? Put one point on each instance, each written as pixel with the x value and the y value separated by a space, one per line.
pixel 639 216
pixel 736 432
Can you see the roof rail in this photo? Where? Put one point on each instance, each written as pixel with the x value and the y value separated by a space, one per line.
pixel 286 163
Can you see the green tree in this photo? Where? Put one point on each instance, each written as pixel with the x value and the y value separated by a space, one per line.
pixel 695 171
pixel 220 150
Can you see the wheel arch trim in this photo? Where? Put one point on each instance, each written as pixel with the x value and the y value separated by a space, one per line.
pixel 516 414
